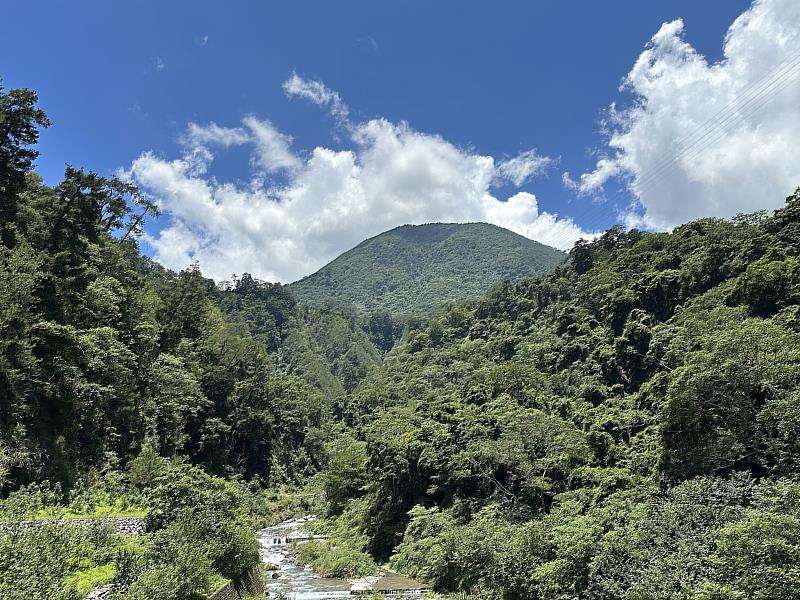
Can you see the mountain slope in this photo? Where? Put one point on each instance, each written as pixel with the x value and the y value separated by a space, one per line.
pixel 416 267
pixel 624 427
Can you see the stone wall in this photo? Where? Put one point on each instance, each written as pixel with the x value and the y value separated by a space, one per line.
pixel 250 585
pixel 100 593
pixel 121 525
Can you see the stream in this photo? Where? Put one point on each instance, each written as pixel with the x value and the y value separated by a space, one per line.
pixel 295 583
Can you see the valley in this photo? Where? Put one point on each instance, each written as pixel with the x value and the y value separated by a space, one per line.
pixel 456 404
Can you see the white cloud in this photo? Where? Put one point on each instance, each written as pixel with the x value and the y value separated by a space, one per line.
pixel 317 93
pixel 523 167
pixel 520 213
pixel 160 66
pixel 594 180
pixel 709 139
pixel 213 134
pixel 329 201
pixel 272 149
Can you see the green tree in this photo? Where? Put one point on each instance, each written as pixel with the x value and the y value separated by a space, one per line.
pixel 20 120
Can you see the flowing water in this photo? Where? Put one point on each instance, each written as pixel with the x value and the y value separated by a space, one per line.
pixel 295 583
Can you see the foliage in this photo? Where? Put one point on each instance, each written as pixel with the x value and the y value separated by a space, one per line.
pixel 124 389
pixel 624 426
pixel 104 353
pixel 340 562
pixel 56 561
pixel 198 532
pixel 611 430
pixel 414 268
pixel 188 504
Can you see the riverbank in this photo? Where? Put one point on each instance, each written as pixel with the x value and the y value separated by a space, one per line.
pixel 285 578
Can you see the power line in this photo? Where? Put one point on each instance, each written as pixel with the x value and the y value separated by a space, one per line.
pixel 730 110
pixel 747 102
pixel 746 109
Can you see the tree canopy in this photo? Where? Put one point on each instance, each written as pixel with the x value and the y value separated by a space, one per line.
pixel 623 425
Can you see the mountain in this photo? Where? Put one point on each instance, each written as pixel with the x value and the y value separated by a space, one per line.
pixel 623 427
pixel 414 268
pixel 626 426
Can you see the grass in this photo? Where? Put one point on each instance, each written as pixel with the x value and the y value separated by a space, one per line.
pixel 217 581
pixel 99 511
pixel 85 580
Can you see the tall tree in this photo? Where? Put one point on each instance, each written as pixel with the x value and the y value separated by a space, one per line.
pixel 20 120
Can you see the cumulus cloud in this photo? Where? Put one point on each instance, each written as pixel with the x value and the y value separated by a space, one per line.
pixel 709 139
pixel 329 200
pixel 520 213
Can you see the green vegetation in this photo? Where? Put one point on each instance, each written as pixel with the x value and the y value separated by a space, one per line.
pixel 87 579
pixel 52 562
pixel 341 562
pixel 414 268
pixel 124 390
pixel 199 533
pixel 331 348
pixel 623 427
pixel 106 356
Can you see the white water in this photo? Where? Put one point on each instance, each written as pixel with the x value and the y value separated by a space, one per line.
pixel 296 583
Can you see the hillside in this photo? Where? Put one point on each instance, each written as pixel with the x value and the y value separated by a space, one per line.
pixel 624 427
pixel 125 391
pixel 414 268
pixel 329 348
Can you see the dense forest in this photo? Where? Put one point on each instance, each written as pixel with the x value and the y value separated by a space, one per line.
pixel 125 390
pixel 414 269
pixel 626 426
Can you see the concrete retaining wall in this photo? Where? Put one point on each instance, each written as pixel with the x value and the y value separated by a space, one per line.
pixel 226 592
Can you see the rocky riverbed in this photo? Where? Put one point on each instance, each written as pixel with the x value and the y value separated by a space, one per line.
pixel 296 583
pixel 288 580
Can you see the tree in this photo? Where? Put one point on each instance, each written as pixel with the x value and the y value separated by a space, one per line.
pixel 20 120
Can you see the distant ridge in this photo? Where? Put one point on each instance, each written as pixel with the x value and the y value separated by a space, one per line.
pixel 414 268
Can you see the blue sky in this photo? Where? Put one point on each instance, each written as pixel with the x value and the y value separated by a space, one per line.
pixel 491 79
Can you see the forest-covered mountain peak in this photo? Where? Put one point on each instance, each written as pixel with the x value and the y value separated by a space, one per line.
pixel 414 268
pixel 434 233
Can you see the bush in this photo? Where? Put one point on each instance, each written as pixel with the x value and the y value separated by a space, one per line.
pixel 338 562
pixel 211 513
